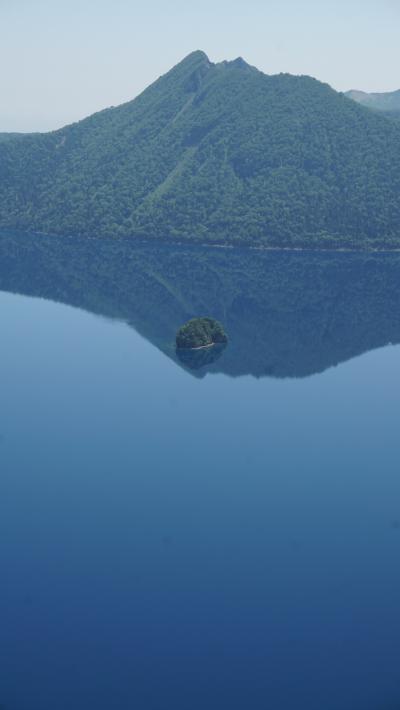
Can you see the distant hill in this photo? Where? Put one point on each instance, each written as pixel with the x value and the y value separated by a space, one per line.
pixel 389 100
pixel 388 103
pixel 217 153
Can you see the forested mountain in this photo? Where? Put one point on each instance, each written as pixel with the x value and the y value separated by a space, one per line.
pixel 218 153
pixel 386 102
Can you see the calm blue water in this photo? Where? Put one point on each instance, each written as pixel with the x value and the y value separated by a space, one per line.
pixel 178 542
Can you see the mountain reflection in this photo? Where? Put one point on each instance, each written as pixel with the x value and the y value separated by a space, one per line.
pixel 287 314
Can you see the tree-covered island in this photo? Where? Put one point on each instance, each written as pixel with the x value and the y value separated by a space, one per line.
pixel 200 333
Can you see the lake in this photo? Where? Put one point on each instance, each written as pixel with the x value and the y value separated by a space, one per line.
pixel 216 531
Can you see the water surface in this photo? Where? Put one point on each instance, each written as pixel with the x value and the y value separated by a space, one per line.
pixel 224 535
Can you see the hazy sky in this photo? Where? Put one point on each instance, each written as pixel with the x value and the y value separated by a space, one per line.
pixel 63 59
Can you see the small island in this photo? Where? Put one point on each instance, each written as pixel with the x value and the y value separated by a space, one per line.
pixel 200 333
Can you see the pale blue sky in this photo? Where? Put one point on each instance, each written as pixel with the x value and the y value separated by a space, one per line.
pixel 63 59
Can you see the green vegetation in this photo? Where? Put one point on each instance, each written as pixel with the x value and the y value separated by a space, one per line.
pixel 214 153
pixel 200 333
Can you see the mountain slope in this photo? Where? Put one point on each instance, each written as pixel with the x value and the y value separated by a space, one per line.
pixel 214 152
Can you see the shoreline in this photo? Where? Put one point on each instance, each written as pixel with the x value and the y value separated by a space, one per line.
pixel 204 245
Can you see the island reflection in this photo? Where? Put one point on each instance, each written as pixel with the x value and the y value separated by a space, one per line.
pixel 287 314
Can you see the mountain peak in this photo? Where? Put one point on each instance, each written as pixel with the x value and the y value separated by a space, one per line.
pixel 238 63
pixel 241 63
pixel 198 57
pixel 194 59
pixel 197 54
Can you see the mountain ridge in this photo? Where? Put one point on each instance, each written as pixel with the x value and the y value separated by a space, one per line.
pixel 218 153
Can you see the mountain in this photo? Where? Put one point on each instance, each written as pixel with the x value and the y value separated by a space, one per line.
pixel 287 313
pixel 218 153
pixel 387 102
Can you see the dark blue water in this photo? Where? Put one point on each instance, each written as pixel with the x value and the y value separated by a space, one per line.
pixel 188 542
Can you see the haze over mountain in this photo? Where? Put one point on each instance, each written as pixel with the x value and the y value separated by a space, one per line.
pixel 388 102
pixel 218 153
